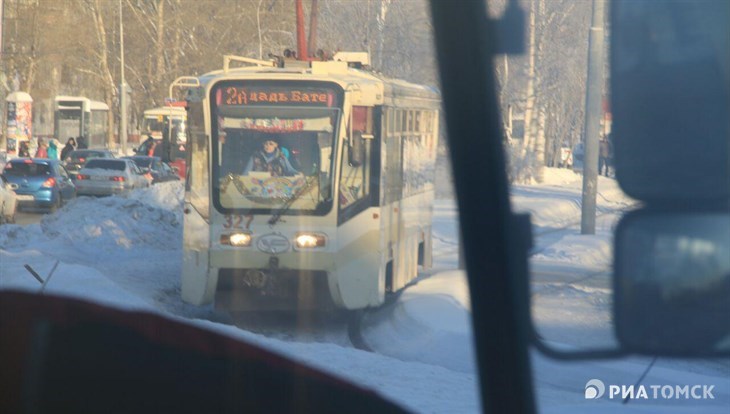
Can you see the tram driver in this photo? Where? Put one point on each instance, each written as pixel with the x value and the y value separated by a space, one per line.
pixel 269 158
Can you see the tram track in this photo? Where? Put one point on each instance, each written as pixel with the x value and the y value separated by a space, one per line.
pixel 354 331
pixel 344 328
pixel 577 220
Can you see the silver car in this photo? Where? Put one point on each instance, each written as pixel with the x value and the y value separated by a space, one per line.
pixel 104 176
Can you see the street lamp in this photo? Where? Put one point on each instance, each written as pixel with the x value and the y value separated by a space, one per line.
pixel 123 89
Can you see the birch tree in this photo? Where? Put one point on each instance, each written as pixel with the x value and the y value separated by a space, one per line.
pixel 100 55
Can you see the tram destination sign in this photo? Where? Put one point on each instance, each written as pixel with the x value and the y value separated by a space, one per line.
pixel 277 95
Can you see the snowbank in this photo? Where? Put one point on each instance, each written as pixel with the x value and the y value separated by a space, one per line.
pixel 126 252
pixel 429 323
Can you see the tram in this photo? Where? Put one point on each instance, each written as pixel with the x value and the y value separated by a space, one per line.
pixel 346 217
pixel 169 118
pixel 78 116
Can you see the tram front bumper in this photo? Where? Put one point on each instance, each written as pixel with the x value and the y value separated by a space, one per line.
pixel 292 281
pixel 250 259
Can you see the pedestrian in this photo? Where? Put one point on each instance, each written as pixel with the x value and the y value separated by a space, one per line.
pixel 70 146
pixel 147 147
pixel 82 143
pixel 604 156
pixel 52 149
pixel 42 151
pixel 23 150
pixel 165 149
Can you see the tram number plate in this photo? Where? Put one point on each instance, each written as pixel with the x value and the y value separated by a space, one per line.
pixel 232 221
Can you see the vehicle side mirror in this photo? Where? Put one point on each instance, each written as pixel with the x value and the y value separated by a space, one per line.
pixel 672 283
pixel 670 84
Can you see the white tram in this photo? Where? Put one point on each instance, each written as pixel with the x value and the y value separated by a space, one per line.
pixel 78 116
pixel 349 218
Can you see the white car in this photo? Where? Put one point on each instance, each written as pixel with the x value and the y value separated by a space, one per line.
pixel 8 201
pixel 105 176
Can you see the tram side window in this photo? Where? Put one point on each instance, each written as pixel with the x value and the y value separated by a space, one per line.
pixel 393 169
pixel 417 156
pixel 354 179
pixel 197 181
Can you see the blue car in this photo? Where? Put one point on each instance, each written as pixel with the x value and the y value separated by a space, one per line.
pixel 41 183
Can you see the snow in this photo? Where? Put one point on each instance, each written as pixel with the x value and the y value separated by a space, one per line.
pixel 125 251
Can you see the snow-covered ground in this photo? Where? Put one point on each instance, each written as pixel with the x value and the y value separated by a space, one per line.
pixel 125 252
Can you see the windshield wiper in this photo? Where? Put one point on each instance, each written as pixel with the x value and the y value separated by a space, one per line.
pixel 294 197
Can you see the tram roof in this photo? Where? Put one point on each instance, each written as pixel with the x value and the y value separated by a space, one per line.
pixel 88 103
pixel 337 72
pixel 165 110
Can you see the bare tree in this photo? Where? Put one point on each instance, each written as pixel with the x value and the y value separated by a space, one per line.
pixel 99 66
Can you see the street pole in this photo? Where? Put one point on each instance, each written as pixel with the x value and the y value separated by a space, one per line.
pixel 594 91
pixel 122 89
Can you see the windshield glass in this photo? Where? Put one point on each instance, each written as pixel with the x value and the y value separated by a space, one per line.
pixel 116 165
pixel 27 169
pixel 83 155
pixel 142 162
pixel 69 122
pixel 307 200
pixel 156 124
pixel 270 156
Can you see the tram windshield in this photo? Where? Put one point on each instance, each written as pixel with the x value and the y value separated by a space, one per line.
pixel 274 157
pixel 155 125
pixel 69 122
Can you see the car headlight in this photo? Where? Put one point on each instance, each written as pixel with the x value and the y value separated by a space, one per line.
pixel 236 239
pixel 309 240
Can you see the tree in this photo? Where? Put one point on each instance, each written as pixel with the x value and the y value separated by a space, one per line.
pixel 99 56
pixel 546 86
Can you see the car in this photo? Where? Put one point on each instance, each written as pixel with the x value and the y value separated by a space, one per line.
pixel 39 182
pixel 8 201
pixel 159 171
pixel 101 177
pixel 77 158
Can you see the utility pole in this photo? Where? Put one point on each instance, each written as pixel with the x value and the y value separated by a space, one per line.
pixel 122 89
pixel 592 128
pixel 302 53
pixel 313 28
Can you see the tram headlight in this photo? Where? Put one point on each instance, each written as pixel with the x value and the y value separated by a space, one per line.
pixel 236 239
pixel 309 240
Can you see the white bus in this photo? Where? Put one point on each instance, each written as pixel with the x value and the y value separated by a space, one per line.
pixel 345 223
pixel 77 116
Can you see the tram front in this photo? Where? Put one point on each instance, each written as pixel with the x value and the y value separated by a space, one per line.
pixel 263 239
